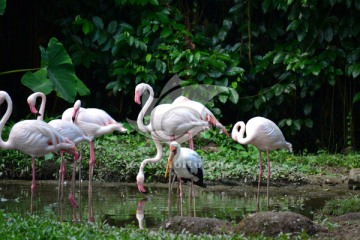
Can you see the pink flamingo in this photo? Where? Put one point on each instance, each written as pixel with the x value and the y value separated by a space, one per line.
pixel 32 137
pixel 66 129
pixel 94 122
pixel 265 135
pixel 168 122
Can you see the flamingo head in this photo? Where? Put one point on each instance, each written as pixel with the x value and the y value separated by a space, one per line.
pixel 77 106
pixel 31 100
pixel 139 90
pixel 235 131
pixel 140 182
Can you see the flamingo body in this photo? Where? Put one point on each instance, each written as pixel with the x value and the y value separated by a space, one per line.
pixel 261 132
pixel 265 135
pixel 32 137
pixel 168 122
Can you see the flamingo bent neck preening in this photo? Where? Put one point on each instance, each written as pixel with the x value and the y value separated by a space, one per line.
pixel 66 129
pixel 93 122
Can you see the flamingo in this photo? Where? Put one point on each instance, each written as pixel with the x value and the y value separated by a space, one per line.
pixel 187 164
pixel 265 135
pixel 32 137
pixel 66 129
pixel 168 122
pixel 204 112
pixel 94 122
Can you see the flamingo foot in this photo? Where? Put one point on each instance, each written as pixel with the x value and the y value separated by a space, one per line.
pixel 72 201
pixel 141 188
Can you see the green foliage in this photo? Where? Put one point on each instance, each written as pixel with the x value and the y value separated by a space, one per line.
pixel 2 6
pixel 340 206
pixel 56 73
pixel 151 44
pixel 15 226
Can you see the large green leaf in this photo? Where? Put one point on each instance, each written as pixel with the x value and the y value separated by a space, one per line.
pixel 38 81
pixel 61 72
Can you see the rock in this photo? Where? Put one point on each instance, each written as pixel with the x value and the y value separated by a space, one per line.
pixel 354 178
pixel 196 225
pixel 274 223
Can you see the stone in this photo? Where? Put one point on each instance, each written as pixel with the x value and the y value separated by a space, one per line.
pixel 354 178
pixel 273 223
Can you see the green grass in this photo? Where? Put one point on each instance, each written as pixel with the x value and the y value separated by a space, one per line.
pixel 340 206
pixel 14 226
pixel 119 157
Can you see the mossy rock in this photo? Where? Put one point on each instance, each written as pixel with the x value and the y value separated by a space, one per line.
pixel 273 223
pixel 196 225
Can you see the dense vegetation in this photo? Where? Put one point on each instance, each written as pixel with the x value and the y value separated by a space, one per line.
pixel 299 57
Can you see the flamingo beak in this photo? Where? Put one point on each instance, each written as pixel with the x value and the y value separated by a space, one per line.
pixel 137 97
pixel 171 157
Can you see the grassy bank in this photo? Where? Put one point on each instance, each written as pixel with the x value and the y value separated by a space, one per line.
pixel 119 157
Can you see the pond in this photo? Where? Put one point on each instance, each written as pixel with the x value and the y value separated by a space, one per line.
pixel 121 204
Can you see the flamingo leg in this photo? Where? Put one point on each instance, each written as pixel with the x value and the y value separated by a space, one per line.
pixel 259 181
pixel 268 177
pixel 62 171
pixel 91 172
pixel 33 185
pixel 72 190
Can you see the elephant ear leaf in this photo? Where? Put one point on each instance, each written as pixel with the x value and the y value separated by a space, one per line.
pixel 56 73
pixel 61 71
pixel 37 81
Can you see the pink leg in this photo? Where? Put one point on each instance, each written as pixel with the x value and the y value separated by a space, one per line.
pixel 33 185
pixel 62 170
pixel 91 172
pixel 268 177
pixel 259 182
pixel 72 190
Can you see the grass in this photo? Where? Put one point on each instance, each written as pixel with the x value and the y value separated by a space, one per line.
pixel 119 156
pixel 340 206
pixel 118 159
pixel 14 226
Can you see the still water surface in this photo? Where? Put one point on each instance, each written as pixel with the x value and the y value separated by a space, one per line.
pixel 121 204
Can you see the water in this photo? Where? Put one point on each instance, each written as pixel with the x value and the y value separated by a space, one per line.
pixel 121 204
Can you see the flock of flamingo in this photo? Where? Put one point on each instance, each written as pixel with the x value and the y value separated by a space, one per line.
pixel 171 124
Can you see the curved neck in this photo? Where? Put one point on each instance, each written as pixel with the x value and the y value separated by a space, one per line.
pixel 4 119
pixel 240 135
pixel 140 119
pixel 42 106
pixel 152 160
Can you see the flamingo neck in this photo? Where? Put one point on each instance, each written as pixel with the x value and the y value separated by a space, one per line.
pixel 140 119
pixel 152 160
pixel 240 135
pixel 42 106
pixel 3 144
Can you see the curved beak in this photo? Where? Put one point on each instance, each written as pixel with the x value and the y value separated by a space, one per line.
pixel 137 97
